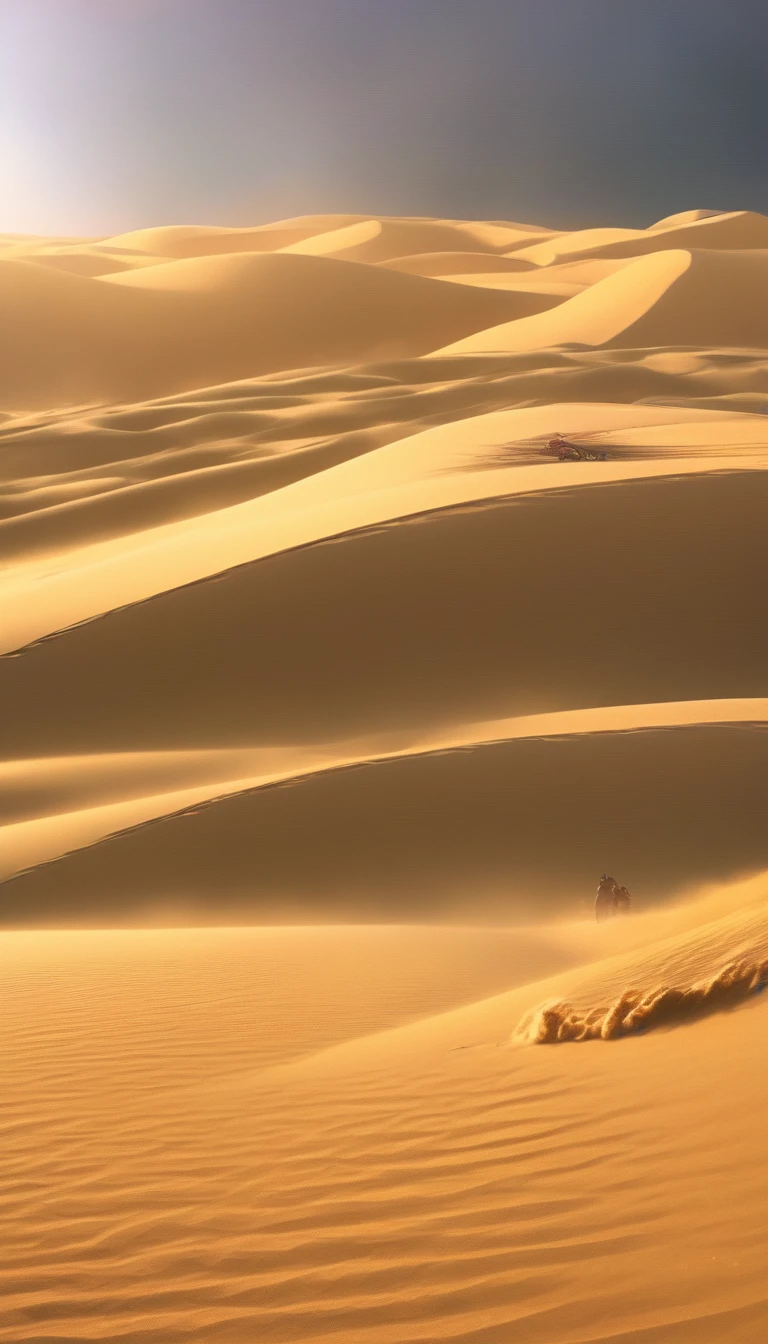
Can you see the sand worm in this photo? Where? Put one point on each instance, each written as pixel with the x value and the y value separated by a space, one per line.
pixel 636 1011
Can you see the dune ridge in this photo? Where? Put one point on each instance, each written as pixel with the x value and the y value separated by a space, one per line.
pixel 384 834
pixel 184 324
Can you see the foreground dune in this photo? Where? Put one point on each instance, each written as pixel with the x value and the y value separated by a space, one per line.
pixel 222 1159
pixel 327 694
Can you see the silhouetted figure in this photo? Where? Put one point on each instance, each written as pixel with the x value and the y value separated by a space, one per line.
pixel 604 901
pixel 621 901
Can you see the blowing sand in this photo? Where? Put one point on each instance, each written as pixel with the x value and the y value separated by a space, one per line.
pixel 327 695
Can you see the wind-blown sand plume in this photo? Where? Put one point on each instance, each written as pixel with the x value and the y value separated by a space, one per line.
pixel 636 1010
pixel 303 621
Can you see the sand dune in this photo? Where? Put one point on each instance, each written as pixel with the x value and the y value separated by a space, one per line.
pixel 489 461
pixel 520 1188
pixel 185 324
pixel 52 805
pixel 71 477
pixel 446 263
pixel 676 297
pixel 504 818
pixel 736 229
pixel 84 259
pixel 390 240
pixel 179 241
pixel 305 630
pixel 684 217
pixel 424 618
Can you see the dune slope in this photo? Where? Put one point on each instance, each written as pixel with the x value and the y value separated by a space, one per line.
pixel 69 339
pixel 506 821
pixel 671 297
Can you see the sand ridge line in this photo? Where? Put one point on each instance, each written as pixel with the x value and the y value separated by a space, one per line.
pixel 95 826
pixel 658 472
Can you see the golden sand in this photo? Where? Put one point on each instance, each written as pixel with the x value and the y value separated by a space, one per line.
pixel 328 694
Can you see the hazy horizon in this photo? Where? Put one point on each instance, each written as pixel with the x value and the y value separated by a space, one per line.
pixel 566 112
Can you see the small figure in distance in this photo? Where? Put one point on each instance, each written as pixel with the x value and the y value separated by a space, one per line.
pixel 563 450
pixel 604 901
pixel 621 901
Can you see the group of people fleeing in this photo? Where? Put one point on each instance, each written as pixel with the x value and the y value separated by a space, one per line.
pixel 611 898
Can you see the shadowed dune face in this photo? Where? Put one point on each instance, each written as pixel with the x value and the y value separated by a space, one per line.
pixel 187 324
pixel 555 601
pixel 491 828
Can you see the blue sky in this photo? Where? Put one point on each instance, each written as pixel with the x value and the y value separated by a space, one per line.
pixel 120 113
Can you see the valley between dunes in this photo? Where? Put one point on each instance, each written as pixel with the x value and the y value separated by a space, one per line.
pixel 327 694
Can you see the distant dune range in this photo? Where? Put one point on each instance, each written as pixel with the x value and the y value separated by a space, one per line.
pixel 309 641
pixel 182 325
pixel 279 577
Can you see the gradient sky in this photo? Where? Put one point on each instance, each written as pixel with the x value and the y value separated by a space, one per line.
pixel 120 113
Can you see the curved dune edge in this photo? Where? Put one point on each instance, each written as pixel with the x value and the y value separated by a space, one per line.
pixel 75 480
pixel 41 839
pixel 435 622
pixel 637 1011
pixel 454 473
pixel 704 230
pixel 169 428
pixel 674 298
pixel 129 577
pixel 503 826
pixel 600 315
pixel 171 328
